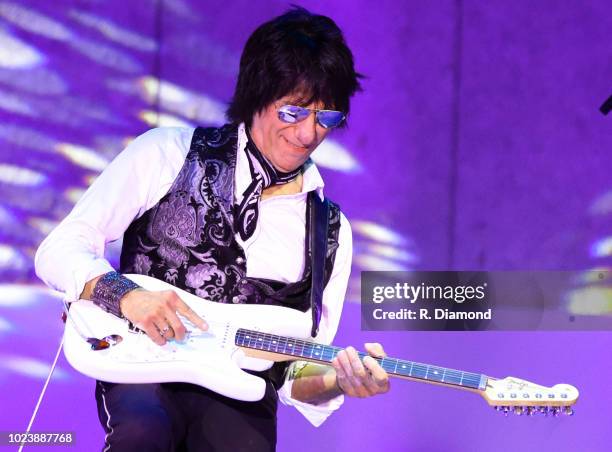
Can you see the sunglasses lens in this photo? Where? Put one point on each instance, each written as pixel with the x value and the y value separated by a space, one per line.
pixel 330 118
pixel 292 113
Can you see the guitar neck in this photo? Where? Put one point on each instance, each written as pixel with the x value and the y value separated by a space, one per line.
pixel 319 353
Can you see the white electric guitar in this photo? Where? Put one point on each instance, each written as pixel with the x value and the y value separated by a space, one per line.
pixel 252 337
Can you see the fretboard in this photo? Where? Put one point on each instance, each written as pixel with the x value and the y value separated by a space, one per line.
pixel 311 351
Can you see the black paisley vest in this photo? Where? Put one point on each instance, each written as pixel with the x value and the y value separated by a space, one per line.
pixel 188 240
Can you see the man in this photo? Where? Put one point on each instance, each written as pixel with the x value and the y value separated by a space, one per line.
pixel 226 214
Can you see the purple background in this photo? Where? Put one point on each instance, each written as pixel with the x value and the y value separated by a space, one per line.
pixel 477 144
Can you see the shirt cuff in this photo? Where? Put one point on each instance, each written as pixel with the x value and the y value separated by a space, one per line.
pixel 96 268
pixel 316 414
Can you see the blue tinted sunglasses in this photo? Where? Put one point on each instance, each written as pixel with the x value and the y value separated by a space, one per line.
pixel 326 118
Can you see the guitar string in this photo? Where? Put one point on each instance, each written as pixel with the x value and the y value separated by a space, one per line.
pixel 313 345
pixel 469 378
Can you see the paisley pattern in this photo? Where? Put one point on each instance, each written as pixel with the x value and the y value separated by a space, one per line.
pixel 188 238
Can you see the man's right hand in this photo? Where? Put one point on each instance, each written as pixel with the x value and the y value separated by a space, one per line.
pixel 156 314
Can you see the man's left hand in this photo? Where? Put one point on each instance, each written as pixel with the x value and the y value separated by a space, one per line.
pixel 357 378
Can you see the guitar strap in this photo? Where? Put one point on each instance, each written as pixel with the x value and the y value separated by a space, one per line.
pixel 319 223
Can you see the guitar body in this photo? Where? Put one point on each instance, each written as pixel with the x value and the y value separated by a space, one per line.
pixel 209 359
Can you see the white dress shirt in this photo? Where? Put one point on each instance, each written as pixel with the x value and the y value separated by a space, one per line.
pixel 138 178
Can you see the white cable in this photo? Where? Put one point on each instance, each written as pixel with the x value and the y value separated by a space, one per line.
pixel 42 393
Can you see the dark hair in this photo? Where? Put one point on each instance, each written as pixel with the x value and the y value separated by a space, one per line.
pixel 295 52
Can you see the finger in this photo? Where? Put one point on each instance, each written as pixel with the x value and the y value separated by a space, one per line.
pixel 184 309
pixel 168 332
pixel 371 386
pixel 340 375
pixel 153 332
pixel 375 349
pixel 164 329
pixel 345 363
pixel 377 374
pixel 358 373
pixel 345 383
pixel 343 372
pixel 356 364
pixel 175 324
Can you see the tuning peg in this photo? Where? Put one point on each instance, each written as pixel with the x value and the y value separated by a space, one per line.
pixel 568 411
pixel 506 410
pixel 518 410
pixel 543 410
pixel 532 411
pixel 556 411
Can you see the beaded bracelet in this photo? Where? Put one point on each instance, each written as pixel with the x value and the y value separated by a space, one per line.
pixel 109 290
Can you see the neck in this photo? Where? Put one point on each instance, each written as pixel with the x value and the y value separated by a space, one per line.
pixel 291 188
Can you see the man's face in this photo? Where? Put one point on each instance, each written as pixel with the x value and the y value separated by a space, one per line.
pixel 286 146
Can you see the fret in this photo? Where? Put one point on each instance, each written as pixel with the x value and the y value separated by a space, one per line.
pixel 290 347
pixel 309 348
pixel 326 353
pixel 266 342
pixel 274 343
pixel 435 374
pixel 283 344
pixel 415 370
pixel 299 349
pixel 269 341
pixel 333 352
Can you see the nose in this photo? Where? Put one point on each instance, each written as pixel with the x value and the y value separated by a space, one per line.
pixel 306 130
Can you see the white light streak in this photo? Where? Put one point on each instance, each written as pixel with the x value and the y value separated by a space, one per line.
pixel 42 224
pixel 377 232
pixel 331 154
pixel 74 194
pixel 602 247
pixel 106 55
pixel 16 54
pixel 22 295
pixel 26 137
pixel 369 262
pixel 389 252
pixel 82 156
pixel 31 367
pixel 114 32
pixel 14 104
pixel 33 22
pixel 182 102
pixel 37 80
pixel 154 119
pixel 18 175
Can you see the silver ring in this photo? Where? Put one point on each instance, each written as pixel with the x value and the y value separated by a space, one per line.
pixel 165 330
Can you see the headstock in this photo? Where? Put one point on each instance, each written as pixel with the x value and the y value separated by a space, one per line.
pixel 521 397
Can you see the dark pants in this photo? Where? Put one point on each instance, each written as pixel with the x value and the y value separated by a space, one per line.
pixel 183 417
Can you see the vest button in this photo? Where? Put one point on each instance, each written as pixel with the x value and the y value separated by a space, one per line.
pixel 235 299
pixel 239 260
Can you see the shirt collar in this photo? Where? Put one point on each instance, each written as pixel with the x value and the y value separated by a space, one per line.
pixel 311 178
